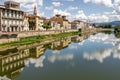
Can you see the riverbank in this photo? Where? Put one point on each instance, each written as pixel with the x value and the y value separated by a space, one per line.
pixel 38 39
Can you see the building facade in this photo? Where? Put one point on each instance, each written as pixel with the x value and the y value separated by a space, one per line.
pixel 34 20
pixel 11 17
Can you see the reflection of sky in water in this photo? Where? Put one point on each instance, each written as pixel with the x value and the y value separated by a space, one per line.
pixel 58 57
pixel 4 78
pixel 100 53
pixel 37 62
pixel 80 61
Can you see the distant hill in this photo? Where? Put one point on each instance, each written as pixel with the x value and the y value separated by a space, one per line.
pixel 114 23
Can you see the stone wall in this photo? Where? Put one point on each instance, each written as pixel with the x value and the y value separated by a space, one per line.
pixel 36 33
pixel 8 40
pixel 32 33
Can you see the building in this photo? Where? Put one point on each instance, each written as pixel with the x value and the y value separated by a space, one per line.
pixel 34 20
pixel 26 23
pixel 55 25
pixel 41 23
pixel 65 23
pixel 36 52
pixel 12 62
pixel 11 17
pixel 60 22
pixel 76 24
pixel 60 44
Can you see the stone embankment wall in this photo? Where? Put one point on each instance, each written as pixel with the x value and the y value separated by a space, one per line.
pixel 8 40
pixel 36 33
pixel 31 33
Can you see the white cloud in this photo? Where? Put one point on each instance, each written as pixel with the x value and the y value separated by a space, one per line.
pixel 72 8
pixel 105 17
pixel 49 8
pixel 70 0
pixel 56 4
pixel 107 3
pixel 72 47
pixel 80 15
pixel 41 14
pixel 98 55
pixel 98 18
pixel 37 62
pixel 64 0
pixel 39 2
pixel 59 57
pixel 4 78
pixel 117 5
pixel 28 5
pixel 61 12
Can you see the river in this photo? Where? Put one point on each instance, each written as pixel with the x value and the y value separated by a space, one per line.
pixel 93 57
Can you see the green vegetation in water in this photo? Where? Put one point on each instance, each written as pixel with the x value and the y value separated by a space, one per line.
pixel 117 31
pixel 38 39
pixel 105 26
pixel 107 32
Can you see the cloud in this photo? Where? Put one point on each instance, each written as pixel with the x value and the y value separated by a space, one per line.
pixel 65 57
pixel 64 0
pixel 41 13
pixel 61 12
pixel 73 47
pixel 72 8
pixel 98 18
pixel 4 78
pixel 37 62
pixel 70 0
pixel 117 5
pixel 107 3
pixel 57 4
pixel 80 15
pixel 49 8
pixel 28 5
pixel 105 17
pixel 97 38
pixel 98 55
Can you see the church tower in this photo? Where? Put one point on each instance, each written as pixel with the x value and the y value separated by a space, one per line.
pixel 35 11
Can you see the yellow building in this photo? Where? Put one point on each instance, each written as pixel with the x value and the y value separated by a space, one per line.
pixel 60 20
pixel 34 20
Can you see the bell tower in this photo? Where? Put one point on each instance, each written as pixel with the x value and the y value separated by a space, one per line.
pixel 35 11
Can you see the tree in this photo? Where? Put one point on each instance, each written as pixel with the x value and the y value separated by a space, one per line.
pixel 117 29
pixel 106 26
pixel 47 26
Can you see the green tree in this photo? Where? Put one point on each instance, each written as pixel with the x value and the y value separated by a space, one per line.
pixel 117 29
pixel 47 26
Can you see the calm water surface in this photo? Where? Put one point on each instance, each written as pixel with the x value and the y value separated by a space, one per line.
pixel 94 57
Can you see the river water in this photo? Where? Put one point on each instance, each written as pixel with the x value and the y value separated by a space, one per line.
pixel 90 57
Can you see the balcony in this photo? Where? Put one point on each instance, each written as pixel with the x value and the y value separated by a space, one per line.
pixel 13 18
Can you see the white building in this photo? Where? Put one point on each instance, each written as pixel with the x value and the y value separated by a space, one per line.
pixel 11 17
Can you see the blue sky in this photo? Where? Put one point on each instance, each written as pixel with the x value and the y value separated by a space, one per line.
pixel 92 10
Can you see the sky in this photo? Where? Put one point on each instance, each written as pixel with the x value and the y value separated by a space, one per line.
pixel 85 10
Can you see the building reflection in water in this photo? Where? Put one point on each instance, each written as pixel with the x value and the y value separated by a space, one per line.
pixel 60 44
pixel 12 61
